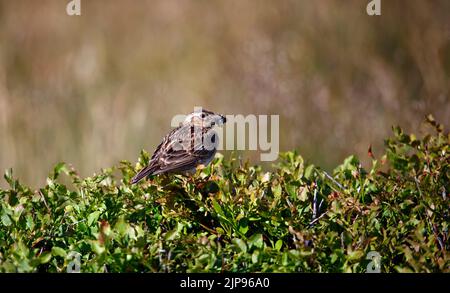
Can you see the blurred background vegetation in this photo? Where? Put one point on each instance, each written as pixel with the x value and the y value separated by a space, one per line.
pixel 96 89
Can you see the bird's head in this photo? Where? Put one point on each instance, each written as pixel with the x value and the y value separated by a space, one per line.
pixel 204 118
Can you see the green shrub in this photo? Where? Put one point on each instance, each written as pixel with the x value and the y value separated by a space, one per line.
pixel 238 218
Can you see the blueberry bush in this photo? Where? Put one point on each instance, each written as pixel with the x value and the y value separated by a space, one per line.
pixel 234 217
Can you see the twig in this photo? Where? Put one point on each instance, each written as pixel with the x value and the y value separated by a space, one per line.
pixel 435 232
pixel 334 180
pixel 169 256
pixel 315 204
pixel 73 224
pixel 320 204
pixel 209 229
pixel 316 209
pixel 417 185
pixel 77 222
pixel 162 261
pixel 43 199
pixel 317 219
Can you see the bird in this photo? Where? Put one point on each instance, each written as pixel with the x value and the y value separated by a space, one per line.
pixel 191 144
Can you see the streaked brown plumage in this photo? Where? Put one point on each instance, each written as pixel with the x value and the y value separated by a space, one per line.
pixel 191 144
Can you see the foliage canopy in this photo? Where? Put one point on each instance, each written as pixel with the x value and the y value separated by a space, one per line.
pixel 238 218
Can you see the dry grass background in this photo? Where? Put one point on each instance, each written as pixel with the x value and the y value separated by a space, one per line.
pixel 95 89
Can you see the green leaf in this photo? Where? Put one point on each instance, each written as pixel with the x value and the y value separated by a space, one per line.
pixel 240 244
pixel 45 257
pixel 334 258
pixel 121 226
pixel 243 226
pixel 278 244
pixel 6 220
pixel 97 247
pixel 256 240
pixel 291 189
pixel 175 233
pixel 285 259
pixel 58 251
pixel 277 190
pixel 93 217
pixel 217 207
pixel 255 256
pixel 60 167
pixel 29 222
pixel 355 255
pixel 308 171
pixel 9 177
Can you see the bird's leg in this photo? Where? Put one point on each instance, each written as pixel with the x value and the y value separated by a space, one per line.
pixel 200 167
pixel 186 177
pixel 211 174
pixel 190 180
pixel 198 171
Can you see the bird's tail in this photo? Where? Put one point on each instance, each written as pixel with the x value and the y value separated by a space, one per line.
pixel 147 171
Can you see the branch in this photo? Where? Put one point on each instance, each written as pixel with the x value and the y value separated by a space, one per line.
pixel 334 181
pixel 317 219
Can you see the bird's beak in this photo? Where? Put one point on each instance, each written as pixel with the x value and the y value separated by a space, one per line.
pixel 219 120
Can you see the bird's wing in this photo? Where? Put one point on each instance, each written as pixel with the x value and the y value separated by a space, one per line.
pixel 180 150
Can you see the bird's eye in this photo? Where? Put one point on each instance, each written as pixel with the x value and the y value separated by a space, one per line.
pixel 203 115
